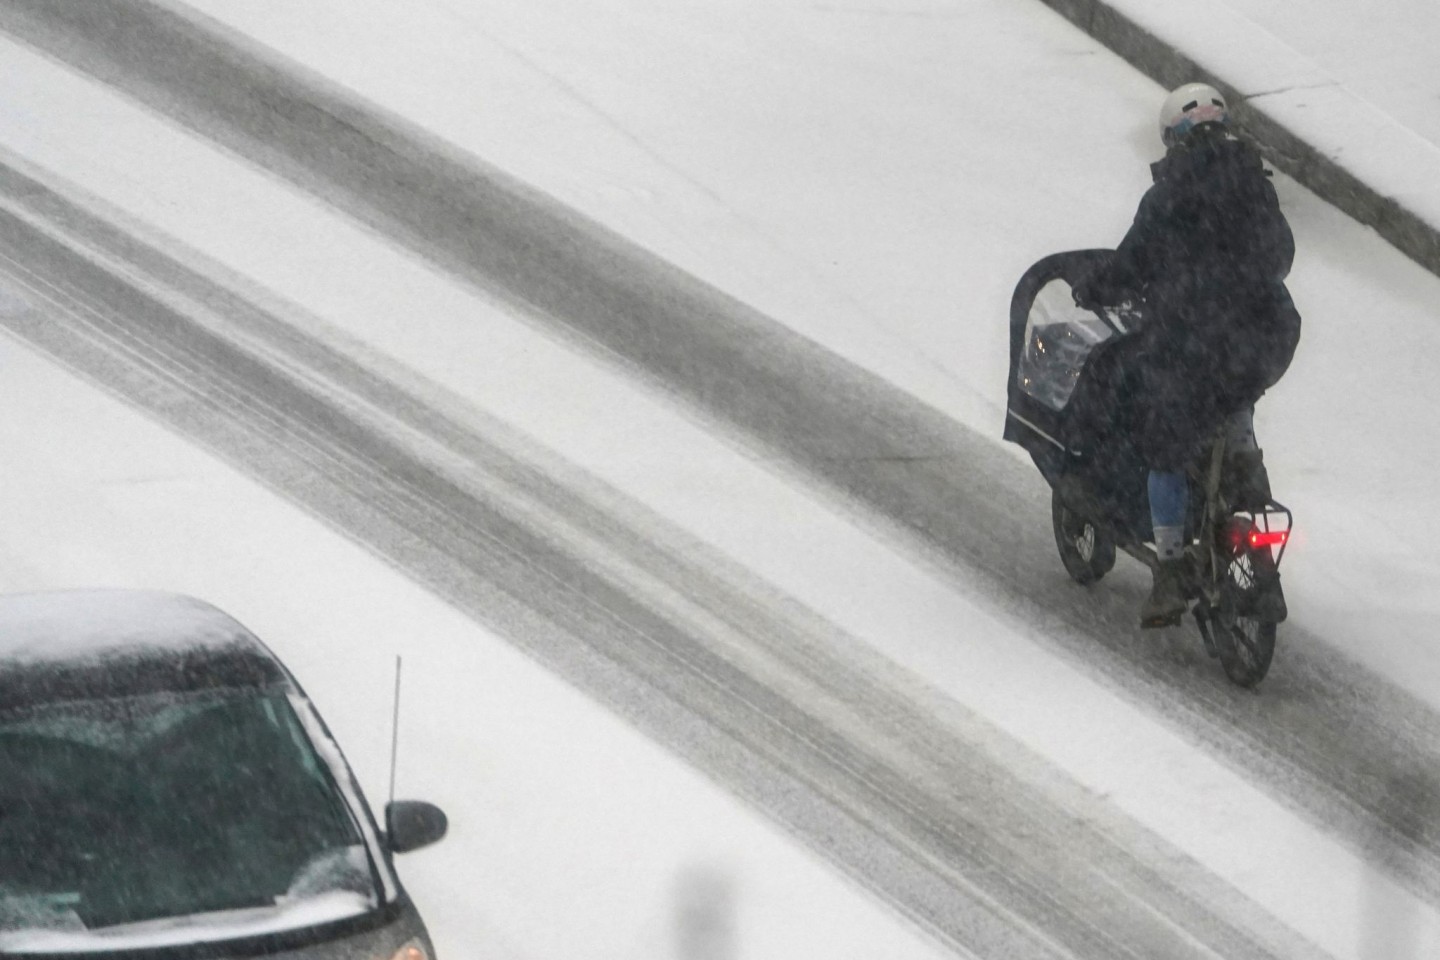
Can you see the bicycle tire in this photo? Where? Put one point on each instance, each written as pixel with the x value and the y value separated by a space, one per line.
pixel 1245 643
pixel 1086 549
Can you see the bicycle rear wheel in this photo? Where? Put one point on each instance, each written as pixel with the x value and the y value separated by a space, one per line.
pixel 1244 641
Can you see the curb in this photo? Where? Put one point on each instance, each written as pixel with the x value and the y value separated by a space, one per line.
pixel 1403 228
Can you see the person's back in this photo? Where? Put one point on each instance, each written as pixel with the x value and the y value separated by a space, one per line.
pixel 1211 252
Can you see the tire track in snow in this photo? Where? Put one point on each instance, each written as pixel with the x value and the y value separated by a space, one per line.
pixel 924 803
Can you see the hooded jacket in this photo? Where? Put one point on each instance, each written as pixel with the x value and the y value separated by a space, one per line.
pixel 1208 253
pixel 1206 259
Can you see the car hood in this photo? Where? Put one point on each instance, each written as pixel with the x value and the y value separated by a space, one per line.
pixel 377 936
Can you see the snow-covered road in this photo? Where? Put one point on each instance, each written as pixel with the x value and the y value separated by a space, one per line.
pixel 1277 826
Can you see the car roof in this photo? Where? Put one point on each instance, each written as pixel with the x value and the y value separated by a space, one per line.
pixel 82 644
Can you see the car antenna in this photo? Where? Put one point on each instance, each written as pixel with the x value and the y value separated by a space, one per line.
pixel 395 730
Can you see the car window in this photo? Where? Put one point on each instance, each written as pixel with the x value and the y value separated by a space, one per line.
pixel 138 810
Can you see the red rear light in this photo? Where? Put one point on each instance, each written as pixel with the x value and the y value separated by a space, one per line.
pixel 1243 535
pixel 1268 538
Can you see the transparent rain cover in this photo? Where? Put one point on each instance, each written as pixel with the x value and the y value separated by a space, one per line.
pixel 1058 338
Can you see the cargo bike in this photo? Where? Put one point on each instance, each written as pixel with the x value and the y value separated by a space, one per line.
pixel 1067 407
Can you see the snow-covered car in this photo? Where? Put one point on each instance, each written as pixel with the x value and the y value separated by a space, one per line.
pixel 168 791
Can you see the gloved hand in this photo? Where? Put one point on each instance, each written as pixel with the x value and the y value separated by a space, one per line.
pixel 1087 296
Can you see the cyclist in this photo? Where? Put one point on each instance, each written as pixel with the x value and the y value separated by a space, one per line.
pixel 1207 256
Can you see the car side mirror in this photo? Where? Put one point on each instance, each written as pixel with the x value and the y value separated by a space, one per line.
pixel 412 824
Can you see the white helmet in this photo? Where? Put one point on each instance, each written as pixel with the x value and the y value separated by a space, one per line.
pixel 1189 106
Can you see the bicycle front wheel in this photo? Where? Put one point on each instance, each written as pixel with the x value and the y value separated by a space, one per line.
pixel 1086 550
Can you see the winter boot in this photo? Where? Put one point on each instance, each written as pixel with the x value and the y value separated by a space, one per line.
pixel 1246 481
pixel 1166 603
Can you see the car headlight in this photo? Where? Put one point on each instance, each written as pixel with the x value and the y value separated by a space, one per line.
pixel 411 951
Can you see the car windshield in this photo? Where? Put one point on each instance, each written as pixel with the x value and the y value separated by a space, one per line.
pixel 138 813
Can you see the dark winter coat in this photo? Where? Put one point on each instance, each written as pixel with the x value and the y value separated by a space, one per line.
pixel 1206 256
